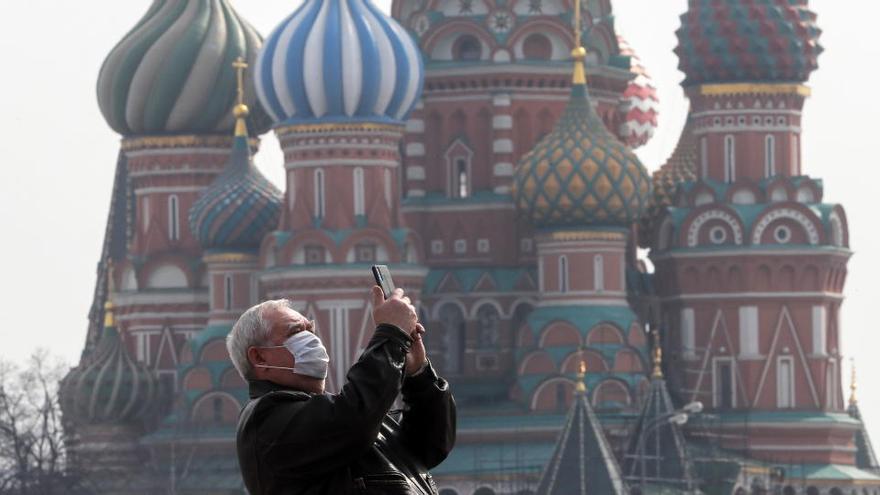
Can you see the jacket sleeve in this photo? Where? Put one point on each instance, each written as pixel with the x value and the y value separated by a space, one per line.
pixel 428 423
pixel 325 432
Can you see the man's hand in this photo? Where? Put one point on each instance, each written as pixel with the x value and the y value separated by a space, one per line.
pixel 397 310
pixel 417 358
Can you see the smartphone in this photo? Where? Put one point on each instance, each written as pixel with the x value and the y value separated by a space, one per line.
pixel 383 279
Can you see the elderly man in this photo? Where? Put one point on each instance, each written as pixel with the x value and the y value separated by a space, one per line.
pixel 294 438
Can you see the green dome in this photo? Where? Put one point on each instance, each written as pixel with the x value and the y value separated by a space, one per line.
pixel 580 174
pixel 172 73
pixel 109 387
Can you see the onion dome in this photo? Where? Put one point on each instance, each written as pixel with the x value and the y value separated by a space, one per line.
pixel 681 167
pixel 640 104
pixel 241 206
pixel 168 75
pixel 580 174
pixel 339 61
pixel 747 40
pixel 109 387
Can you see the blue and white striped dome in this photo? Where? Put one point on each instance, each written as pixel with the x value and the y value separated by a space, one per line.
pixel 339 61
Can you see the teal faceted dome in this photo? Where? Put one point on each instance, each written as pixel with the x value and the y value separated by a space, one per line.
pixel 171 74
pixel 109 387
pixel 239 208
pixel 580 174
pixel 747 40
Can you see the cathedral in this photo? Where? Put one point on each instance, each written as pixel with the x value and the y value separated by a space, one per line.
pixel 483 150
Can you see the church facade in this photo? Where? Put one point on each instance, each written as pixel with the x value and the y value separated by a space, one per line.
pixel 483 149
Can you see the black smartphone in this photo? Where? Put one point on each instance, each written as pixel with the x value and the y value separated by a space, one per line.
pixel 383 279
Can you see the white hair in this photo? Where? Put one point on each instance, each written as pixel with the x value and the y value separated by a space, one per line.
pixel 251 330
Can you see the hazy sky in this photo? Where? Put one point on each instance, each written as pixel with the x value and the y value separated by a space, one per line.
pixel 57 155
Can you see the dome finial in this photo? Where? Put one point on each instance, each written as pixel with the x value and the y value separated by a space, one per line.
pixel 108 304
pixel 658 356
pixel 852 383
pixel 581 387
pixel 579 53
pixel 241 110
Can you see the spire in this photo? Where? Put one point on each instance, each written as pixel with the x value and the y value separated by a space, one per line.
pixel 657 451
pixel 109 321
pixel 579 53
pixel 583 462
pixel 865 457
pixel 852 384
pixel 240 110
pixel 658 357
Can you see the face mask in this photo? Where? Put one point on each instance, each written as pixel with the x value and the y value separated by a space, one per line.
pixel 310 357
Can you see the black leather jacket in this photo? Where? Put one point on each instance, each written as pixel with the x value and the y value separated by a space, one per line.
pixel 292 442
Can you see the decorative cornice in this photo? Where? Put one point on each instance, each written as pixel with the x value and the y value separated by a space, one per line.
pixel 337 127
pixel 587 236
pixel 182 141
pixel 754 89
pixel 230 258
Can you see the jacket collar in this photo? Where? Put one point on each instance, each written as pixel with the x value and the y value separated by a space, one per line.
pixel 259 388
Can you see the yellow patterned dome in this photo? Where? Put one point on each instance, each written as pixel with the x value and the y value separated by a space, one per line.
pixel 580 174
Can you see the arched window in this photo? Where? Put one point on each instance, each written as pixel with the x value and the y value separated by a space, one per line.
pixel 537 47
pixel 319 193
pixel 467 48
pixel 173 218
pixel 227 292
pixel 452 344
pixel 729 158
pixel 599 273
pixel 563 273
pixel 769 156
pixel 704 157
pixel 359 191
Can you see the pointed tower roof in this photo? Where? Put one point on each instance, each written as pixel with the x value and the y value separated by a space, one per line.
pixel 660 451
pixel 865 457
pixel 583 462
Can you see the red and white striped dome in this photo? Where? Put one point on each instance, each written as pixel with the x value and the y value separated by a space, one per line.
pixel 640 105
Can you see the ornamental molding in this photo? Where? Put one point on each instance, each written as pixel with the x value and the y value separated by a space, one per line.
pixel 797 216
pixel 587 236
pixel 184 141
pixel 754 89
pixel 697 224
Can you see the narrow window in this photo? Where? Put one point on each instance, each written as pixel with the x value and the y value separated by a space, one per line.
pixel 748 331
pixel 563 274
pixel 291 190
pixel 820 330
pixel 795 165
pixel 769 156
pixel 729 158
pixel 599 273
pixel 704 157
pixel 831 386
pixel 227 292
pixel 724 384
pixel 388 188
pixel 173 218
pixel 687 331
pixel 784 382
pixel 146 214
pixel 319 194
pixel 460 179
pixel 359 191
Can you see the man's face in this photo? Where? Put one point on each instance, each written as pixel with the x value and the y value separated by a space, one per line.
pixel 283 323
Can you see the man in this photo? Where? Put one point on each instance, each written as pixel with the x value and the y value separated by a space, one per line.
pixel 293 438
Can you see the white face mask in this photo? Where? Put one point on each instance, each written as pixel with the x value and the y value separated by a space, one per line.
pixel 310 357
